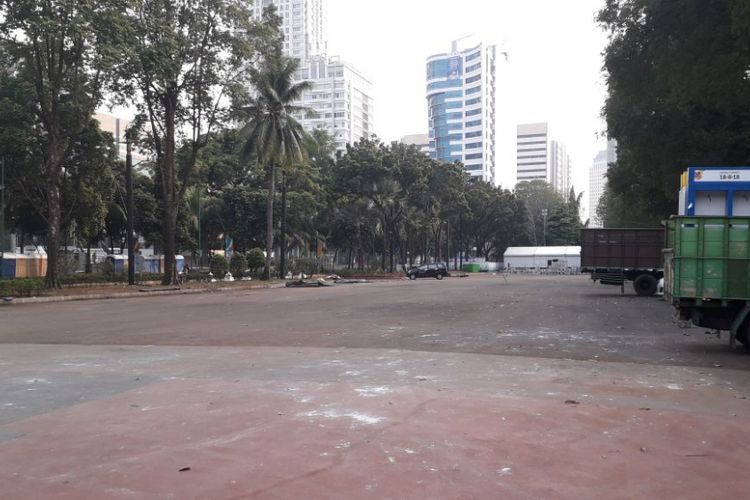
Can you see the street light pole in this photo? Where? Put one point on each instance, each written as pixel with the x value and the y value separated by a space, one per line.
pixel 2 205
pixel 544 230
pixel 131 211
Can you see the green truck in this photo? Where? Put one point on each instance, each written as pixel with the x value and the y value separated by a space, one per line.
pixel 707 272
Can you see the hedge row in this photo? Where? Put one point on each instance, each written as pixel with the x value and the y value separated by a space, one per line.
pixel 22 287
pixel 29 287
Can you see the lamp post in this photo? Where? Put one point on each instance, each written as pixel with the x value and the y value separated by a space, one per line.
pixel 131 211
pixel 2 205
pixel 544 230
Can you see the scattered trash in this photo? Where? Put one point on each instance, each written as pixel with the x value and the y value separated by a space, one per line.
pixel 184 469
pixel 716 365
pixel 572 402
pixel 645 409
pixel 228 277
pixel 643 450
pixel 700 455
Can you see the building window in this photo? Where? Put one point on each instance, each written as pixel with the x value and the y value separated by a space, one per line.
pixel 474 145
pixel 476 100
pixel 474 112
pixel 474 67
pixel 473 79
pixel 474 90
pixel 474 156
pixel 474 123
pixel 471 135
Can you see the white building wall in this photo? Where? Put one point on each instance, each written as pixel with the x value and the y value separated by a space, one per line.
pixel 540 158
pixel 598 179
pixel 597 183
pixel 340 98
pixel 473 72
pixel 303 25
pixel 533 152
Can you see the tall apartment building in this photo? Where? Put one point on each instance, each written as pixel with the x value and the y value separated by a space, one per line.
pixel 461 108
pixel 540 158
pixel 341 99
pixel 598 179
pixel 303 25
pixel 422 141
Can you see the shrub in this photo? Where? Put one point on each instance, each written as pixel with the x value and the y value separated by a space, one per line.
pixel 256 259
pixel 238 265
pixel 218 266
pixel 21 287
pixel 308 265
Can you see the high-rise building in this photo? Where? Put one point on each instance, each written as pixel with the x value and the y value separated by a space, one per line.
pixel 340 98
pixel 303 25
pixel 539 158
pixel 461 108
pixel 422 141
pixel 598 180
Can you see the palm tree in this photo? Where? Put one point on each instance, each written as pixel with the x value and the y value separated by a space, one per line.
pixel 272 135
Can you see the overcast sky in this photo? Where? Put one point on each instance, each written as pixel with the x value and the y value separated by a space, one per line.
pixel 553 72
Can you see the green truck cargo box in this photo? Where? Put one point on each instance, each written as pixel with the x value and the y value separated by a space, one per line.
pixel 711 257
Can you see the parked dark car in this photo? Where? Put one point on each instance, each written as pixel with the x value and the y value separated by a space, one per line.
pixel 428 271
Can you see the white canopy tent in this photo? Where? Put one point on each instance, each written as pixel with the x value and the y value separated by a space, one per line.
pixel 542 257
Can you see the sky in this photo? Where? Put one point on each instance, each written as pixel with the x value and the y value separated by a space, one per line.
pixel 553 72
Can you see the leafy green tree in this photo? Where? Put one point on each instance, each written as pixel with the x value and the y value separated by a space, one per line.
pixel 540 198
pixel 63 49
pixel 238 265
pixel 272 135
pixel 218 266
pixel 678 96
pixel 255 259
pixel 187 60
pixel 564 222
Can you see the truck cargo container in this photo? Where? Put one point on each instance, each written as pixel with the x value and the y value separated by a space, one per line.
pixel 615 256
pixel 710 272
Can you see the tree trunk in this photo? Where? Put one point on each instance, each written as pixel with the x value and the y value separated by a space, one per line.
pixel 282 253
pixel 269 221
pixel 385 244
pixel 52 280
pixel 169 185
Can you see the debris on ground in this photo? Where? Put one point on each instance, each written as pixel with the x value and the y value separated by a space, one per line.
pixel 572 402
pixel 330 280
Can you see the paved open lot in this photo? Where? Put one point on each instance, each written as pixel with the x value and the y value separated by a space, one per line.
pixel 538 387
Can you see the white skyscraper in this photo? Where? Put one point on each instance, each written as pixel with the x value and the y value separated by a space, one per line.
pixel 303 25
pixel 461 108
pixel 341 99
pixel 598 180
pixel 539 158
pixel 341 96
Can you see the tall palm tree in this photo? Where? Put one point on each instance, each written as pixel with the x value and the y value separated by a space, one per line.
pixel 272 135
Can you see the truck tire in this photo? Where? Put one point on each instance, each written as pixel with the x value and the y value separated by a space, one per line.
pixel 645 285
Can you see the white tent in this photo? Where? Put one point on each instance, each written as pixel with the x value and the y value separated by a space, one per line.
pixel 542 257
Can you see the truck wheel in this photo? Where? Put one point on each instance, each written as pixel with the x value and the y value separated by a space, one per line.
pixel 439 276
pixel 412 277
pixel 645 285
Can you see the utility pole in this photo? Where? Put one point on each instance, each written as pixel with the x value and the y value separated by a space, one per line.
pixel 544 229
pixel 2 205
pixel 131 211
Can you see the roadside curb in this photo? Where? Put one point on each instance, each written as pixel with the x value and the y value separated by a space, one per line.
pixel 133 295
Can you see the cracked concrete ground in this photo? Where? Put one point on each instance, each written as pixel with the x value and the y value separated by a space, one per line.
pixel 541 387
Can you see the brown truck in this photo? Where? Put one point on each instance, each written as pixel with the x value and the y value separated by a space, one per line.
pixel 614 256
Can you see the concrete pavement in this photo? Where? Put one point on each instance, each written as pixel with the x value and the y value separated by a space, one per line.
pixel 390 390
